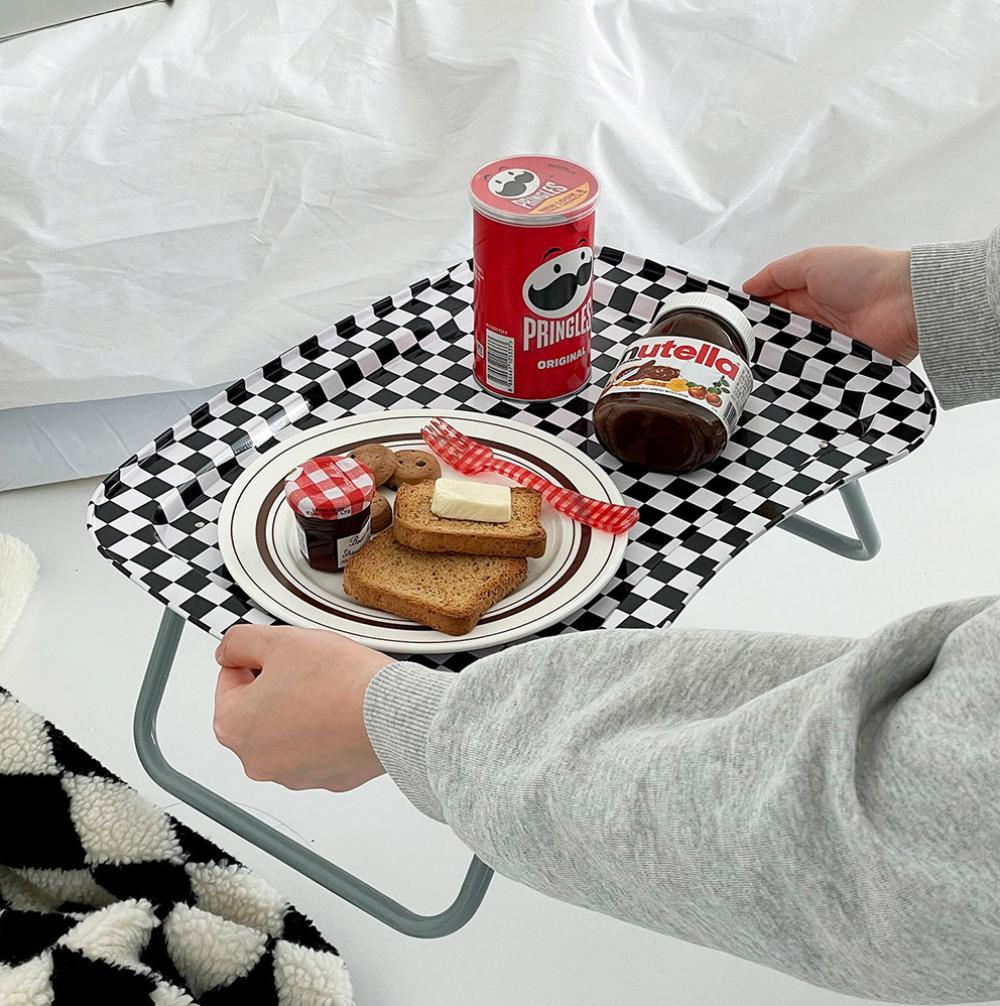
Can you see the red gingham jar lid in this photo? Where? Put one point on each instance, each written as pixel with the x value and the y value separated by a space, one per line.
pixel 329 488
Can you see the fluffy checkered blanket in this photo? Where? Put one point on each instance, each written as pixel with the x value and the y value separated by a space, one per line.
pixel 105 898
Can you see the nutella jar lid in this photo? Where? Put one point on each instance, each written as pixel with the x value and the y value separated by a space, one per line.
pixel 534 191
pixel 330 488
pixel 712 304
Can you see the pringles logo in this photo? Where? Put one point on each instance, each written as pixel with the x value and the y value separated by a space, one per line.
pixel 560 284
pixel 514 183
pixel 557 292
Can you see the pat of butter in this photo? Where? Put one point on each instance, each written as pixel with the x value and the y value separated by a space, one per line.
pixel 459 500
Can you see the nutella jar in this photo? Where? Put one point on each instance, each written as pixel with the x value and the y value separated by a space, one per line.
pixel 331 497
pixel 677 394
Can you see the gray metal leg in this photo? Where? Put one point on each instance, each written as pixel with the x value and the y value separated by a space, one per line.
pixel 307 862
pixel 868 541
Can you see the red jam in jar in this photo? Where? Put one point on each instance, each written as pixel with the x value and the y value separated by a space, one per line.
pixel 677 394
pixel 331 497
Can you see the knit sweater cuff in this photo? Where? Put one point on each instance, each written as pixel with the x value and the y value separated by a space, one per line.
pixel 400 704
pixel 957 304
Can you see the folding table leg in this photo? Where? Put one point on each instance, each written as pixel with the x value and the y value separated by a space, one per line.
pixel 307 862
pixel 868 541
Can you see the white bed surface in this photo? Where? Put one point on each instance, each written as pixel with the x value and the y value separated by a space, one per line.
pixel 19 16
pixel 186 191
pixel 73 440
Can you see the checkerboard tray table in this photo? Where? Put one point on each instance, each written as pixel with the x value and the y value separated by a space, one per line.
pixel 825 411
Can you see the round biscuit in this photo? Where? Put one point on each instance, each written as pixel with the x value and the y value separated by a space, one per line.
pixel 381 513
pixel 413 466
pixel 376 457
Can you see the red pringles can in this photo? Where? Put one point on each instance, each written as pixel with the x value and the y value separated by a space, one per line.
pixel 533 253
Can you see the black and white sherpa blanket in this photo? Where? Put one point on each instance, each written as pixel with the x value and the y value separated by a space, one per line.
pixel 106 899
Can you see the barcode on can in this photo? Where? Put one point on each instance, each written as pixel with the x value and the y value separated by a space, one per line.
pixel 499 362
pixel 729 416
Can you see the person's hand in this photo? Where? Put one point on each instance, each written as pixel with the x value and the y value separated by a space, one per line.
pixel 290 703
pixel 863 292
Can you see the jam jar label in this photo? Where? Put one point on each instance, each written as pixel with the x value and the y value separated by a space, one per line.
pixel 709 376
pixel 346 547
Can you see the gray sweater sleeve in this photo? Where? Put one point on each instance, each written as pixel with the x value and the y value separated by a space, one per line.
pixel 956 295
pixel 827 807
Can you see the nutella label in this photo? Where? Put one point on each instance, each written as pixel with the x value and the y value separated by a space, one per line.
pixel 711 377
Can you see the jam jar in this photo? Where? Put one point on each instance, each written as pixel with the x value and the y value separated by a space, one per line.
pixel 331 497
pixel 678 392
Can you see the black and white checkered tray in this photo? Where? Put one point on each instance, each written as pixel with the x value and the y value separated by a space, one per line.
pixel 825 411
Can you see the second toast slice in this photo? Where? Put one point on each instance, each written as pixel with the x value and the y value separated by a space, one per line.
pixel 449 593
pixel 419 527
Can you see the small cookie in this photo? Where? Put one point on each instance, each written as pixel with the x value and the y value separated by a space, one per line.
pixel 414 466
pixel 381 513
pixel 378 458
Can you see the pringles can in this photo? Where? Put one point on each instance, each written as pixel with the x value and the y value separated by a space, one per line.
pixel 533 256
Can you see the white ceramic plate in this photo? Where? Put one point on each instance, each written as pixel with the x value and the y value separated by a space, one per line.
pixel 257 535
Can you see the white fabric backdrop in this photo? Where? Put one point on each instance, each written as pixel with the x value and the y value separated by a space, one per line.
pixel 186 191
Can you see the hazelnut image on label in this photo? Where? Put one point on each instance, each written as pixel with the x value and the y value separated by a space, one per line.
pixel 414 466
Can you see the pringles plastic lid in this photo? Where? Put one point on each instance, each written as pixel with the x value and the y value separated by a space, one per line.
pixel 329 488
pixel 532 191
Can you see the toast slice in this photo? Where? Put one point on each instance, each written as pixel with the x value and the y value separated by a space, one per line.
pixel 417 526
pixel 449 593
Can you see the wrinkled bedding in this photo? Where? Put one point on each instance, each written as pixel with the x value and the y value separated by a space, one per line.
pixel 187 190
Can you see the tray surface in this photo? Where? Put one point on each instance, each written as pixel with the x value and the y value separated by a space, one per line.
pixel 825 411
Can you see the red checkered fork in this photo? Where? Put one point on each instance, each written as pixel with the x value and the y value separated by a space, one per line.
pixel 330 488
pixel 470 457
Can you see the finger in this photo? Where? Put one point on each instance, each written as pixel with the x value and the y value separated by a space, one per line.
pixel 231 678
pixel 788 273
pixel 783 299
pixel 800 302
pixel 246 646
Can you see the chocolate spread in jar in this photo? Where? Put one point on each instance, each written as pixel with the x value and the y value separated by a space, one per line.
pixel 674 400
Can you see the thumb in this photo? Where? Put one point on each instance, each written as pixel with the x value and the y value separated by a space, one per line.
pixel 788 273
pixel 229 721
pixel 246 646
pixel 233 678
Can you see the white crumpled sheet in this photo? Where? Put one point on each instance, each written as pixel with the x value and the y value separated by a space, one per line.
pixel 186 191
